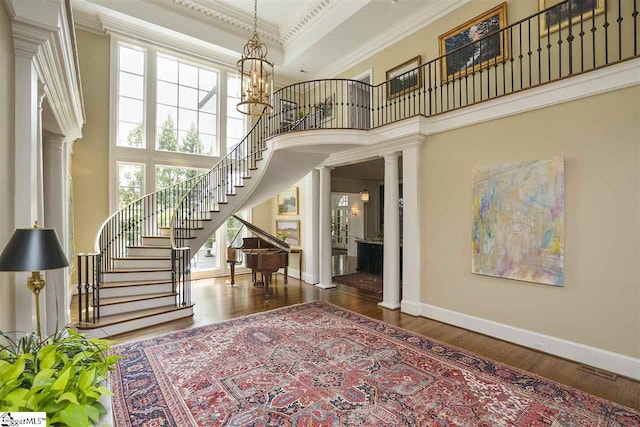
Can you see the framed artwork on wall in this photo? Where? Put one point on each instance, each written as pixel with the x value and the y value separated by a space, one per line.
pixel 288 231
pixel 518 221
pixel 466 52
pixel 288 201
pixel 289 111
pixel 404 78
pixel 326 108
pixel 558 17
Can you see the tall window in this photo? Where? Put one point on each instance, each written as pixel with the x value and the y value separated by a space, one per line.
pixel 130 182
pixel 131 96
pixel 235 119
pixel 187 99
pixel 170 175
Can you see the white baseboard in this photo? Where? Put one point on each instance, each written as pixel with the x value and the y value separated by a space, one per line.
pixel 614 362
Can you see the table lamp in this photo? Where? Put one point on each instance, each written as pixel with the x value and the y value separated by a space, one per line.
pixel 33 249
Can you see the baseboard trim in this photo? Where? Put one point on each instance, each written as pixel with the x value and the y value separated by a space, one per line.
pixel 388 306
pixel 329 286
pixel 614 362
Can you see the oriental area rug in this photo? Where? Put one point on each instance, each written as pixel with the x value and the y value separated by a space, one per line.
pixel 365 281
pixel 317 364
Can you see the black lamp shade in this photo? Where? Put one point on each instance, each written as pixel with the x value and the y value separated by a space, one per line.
pixel 33 249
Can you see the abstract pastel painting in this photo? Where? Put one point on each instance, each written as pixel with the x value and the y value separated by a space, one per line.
pixel 518 221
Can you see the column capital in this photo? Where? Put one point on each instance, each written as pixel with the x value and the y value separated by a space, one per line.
pixel 325 168
pixel 54 140
pixel 391 157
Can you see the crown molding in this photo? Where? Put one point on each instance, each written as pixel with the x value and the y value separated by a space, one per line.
pixel 394 34
pixel 305 18
pixel 222 13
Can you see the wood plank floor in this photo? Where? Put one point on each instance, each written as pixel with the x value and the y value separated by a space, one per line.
pixel 216 300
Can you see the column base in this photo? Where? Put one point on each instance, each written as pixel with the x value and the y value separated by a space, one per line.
pixel 390 306
pixel 329 286
pixel 410 307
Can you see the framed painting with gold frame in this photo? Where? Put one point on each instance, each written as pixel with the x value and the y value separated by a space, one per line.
pixel 288 201
pixel 462 50
pixel 401 79
pixel 289 231
pixel 558 17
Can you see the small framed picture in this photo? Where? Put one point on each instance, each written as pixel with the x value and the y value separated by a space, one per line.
pixel 288 231
pixel 327 108
pixel 289 110
pixel 288 201
pixel 558 17
pixel 465 49
pixel 404 78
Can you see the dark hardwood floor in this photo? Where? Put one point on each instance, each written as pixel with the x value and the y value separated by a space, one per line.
pixel 216 300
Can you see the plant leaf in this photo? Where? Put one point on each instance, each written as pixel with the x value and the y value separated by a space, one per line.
pixel 62 381
pixel 43 377
pixel 68 396
pixel 17 396
pixel 86 379
pixel 74 415
pixel 92 413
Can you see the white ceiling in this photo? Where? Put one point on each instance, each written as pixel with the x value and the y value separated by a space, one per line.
pixel 323 37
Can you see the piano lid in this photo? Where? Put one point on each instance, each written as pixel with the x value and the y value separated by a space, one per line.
pixel 264 235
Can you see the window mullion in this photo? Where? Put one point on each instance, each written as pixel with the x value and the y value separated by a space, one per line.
pixel 150 119
pixel 222 113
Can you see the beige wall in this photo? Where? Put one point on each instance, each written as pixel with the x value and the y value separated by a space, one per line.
pixel 7 313
pixel 90 160
pixel 599 137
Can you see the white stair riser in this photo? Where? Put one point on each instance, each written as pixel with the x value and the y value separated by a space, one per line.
pixel 165 232
pixel 155 241
pixel 125 307
pixel 141 263
pixel 135 290
pixel 132 325
pixel 148 252
pixel 136 276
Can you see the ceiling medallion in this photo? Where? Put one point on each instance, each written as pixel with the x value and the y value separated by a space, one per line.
pixel 256 75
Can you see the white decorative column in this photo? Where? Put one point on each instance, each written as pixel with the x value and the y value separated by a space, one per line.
pixel 54 217
pixel 312 220
pixel 412 260
pixel 326 280
pixel 26 182
pixel 391 275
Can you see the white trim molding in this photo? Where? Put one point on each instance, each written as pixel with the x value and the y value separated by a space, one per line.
pixel 42 31
pixel 614 362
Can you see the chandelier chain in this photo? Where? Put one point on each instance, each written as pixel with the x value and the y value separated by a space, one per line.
pixel 255 16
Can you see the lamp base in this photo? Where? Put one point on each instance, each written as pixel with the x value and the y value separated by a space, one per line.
pixel 36 283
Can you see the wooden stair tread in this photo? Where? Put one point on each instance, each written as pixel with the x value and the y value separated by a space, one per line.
pixel 155 237
pixel 124 284
pixel 134 298
pixel 132 315
pixel 181 228
pixel 148 247
pixel 137 257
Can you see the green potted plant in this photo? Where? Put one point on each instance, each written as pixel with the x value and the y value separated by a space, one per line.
pixel 63 375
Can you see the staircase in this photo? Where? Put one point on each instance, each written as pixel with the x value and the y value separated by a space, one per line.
pixel 139 274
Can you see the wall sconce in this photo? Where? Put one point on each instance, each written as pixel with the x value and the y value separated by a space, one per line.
pixel 355 211
pixel 364 195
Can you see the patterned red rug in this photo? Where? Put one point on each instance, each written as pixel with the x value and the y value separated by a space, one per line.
pixel 317 364
pixel 366 281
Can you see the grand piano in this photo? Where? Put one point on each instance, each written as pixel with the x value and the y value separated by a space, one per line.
pixel 264 254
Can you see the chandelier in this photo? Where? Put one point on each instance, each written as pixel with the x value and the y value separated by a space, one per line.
pixel 256 75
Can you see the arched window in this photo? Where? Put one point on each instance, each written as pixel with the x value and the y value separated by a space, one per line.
pixel 343 201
